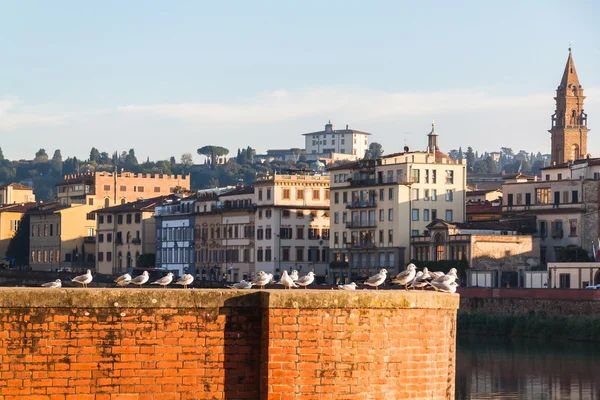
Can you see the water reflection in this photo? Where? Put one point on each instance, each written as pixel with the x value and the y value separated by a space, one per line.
pixel 492 368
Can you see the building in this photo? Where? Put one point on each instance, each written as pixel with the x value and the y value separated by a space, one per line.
pixel 105 189
pixel 62 236
pixel 474 196
pixel 292 224
pixel 225 235
pixel 574 275
pixel 495 253
pixel 14 193
pixel 569 122
pixel 330 142
pixel 125 232
pixel 10 219
pixel 377 205
pixel 484 211
pixel 175 235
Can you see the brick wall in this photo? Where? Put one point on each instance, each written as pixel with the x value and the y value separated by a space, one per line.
pixel 211 344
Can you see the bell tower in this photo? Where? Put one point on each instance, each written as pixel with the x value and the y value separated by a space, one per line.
pixel 569 122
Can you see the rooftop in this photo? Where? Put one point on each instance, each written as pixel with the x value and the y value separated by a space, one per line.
pixel 16 186
pixel 140 205
pixel 17 207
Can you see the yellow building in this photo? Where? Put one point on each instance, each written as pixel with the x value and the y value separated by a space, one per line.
pixel 10 218
pixel 15 193
pixel 125 232
pixel 62 236
pixel 377 205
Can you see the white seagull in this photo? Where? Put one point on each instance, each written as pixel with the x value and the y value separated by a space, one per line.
pixel 419 282
pixel 262 279
pixel 294 275
pixel 141 279
pixel 185 280
pixel 164 281
pixel 123 280
pixel 348 286
pixel 444 286
pixel 286 280
pixel 405 277
pixel 241 285
pixel 55 285
pixel 377 279
pixel 306 280
pixel 83 279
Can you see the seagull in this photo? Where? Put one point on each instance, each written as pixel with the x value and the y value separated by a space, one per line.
pixel 377 279
pixel 444 280
pixel 306 280
pixel 286 280
pixel 241 285
pixel 444 286
pixel 164 281
pixel 294 275
pixel 141 279
pixel 348 286
pixel 185 280
pixel 262 279
pixel 426 274
pixel 405 277
pixel 419 282
pixel 55 285
pixel 84 279
pixel 123 280
pixel 437 274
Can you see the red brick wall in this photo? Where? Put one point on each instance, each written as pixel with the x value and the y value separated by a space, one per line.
pixel 203 344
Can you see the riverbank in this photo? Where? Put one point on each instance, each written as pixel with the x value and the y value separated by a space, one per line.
pixel 553 327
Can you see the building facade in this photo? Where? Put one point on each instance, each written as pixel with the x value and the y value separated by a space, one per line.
pixel 292 224
pixel 328 142
pixel 106 189
pixel 14 193
pixel 569 122
pixel 62 236
pixel 124 233
pixel 10 219
pixel 377 205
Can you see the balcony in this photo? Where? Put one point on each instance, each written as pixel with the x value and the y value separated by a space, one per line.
pixel 136 241
pixel 361 224
pixel 362 204
pixel 89 239
pixel 362 182
pixel 360 245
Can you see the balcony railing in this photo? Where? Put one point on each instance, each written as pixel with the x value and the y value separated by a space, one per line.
pixel 136 241
pixel 362 204
pixel 361 224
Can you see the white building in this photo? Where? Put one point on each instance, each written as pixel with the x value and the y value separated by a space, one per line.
pixel 336 144
pixel 292 224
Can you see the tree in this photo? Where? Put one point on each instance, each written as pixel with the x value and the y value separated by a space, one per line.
pixel 1 154
pixel 131 159
pixel 375 151
pixel 485 166
pixel 95 156
pixel 571 253
pixel 41 156
pixel 18 247
pixel 213 153
pixel 186 160
pixel 297 153
pixel 453 154
pixel 146 260
pixel 460 153
pixel 57 163
pixel 470 159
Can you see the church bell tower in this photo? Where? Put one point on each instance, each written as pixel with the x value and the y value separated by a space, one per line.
pixel 569 122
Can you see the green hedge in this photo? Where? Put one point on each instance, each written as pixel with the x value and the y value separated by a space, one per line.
pixel 530 326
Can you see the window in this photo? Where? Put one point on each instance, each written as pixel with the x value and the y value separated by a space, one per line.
pixel 100 256
pixel 336 198
pixel 433 176
pixel 391 214
pixel 336 238
pixel 565 281
pixel 426 194
pixel 543 229
pixel 414 174
pixel 140 189
pixel 285 213
pixel 382 215
pixel 260 197
pixel 390 236
pixel 299 194
pixel 101 219
pixel 415 194
pixel 109 219
pixel 299 253
pixel 381 236
pixel 574 196
pixel 344 217
pixel 547 177
pixel 425 215
pixel 565 196
pixel 572 227
pixel 268 213
pixel 285 254
pixel 449 195
pixel 285 194
pixel 268 194
pixel 345 197
pixel 381 194
pixel 519 198
pixel 313 234
pixel 414 232
pixel 542 195
pixel 128 218
pixel 433 215
pixel 259 254
pixel 433 194
pixel 300 232
pixel 120 219
pixel 559 177
pixel 109 237
pixel 156 189
pixel 285 233
pixel 327 194
pixel 336 217
pixel 108 256
pixel 138 218
pixel 107 188
pixel 316 194
pixel 259 214
pixel 259 233
pixel 391 193
pixel 449 215
pixel 123 188
pixel 426 178
pixel 415 214
pixel 449 177
pixel 101 237
pixel 299 214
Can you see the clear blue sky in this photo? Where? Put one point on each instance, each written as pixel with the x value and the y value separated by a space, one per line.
pixel 168 77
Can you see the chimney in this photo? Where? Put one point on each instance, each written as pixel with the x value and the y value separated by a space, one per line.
pixel 346 126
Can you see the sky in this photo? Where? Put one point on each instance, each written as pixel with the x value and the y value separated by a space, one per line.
pixel 166 78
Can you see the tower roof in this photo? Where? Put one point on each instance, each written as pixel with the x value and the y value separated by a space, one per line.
pixel 570 75
pixel 433 132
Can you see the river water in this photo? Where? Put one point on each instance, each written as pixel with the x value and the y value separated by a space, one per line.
pixel 495 368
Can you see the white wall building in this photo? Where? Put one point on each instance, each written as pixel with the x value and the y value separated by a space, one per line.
pixel 328 142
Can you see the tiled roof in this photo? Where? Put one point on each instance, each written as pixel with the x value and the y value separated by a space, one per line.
pixel 140 205
pixel 238 191
pixel 482 192
pixel 18 207
pixel 16 186
pixel 483 208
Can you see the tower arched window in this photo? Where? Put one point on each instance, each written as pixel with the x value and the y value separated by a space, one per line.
pixel 106 202
pixel 575 152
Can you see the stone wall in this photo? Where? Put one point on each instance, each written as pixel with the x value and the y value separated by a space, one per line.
pixel 213 344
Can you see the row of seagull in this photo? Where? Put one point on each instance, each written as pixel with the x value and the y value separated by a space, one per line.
pixel 411 278
pixel 291 280
pixel 126 279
